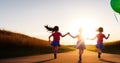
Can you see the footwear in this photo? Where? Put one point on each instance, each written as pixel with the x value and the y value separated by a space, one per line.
pixel 99 55
pixel 55 56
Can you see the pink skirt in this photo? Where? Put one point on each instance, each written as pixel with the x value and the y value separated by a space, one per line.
pixel 80 45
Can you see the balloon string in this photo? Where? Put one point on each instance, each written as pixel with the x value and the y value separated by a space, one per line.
pixel 116 18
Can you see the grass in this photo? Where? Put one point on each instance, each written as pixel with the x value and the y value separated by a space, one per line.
pixel 91 48
pixel 110 47
pixel 16 45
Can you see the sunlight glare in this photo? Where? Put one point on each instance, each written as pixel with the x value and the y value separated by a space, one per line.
pixel 88 25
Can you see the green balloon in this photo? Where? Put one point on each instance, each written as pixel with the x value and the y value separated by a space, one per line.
pixel 115 4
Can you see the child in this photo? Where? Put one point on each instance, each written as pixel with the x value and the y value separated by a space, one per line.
pixel 99 44
pixel 80 43
pixel 56 38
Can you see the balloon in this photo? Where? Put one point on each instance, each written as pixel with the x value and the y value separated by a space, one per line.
pixel 115 4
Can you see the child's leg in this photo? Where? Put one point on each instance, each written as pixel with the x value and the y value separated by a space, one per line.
pixel 80 53
pixel 99 52
pixel 55 51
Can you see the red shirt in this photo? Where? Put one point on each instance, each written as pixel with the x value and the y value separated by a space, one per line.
pixel 56 36
pixel 100 38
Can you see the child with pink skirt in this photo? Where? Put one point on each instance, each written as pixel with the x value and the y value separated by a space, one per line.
pixel 80 43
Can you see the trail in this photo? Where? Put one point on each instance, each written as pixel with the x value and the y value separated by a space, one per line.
pixel 68 57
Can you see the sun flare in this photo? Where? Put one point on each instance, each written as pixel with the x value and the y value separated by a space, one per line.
pixel 88 26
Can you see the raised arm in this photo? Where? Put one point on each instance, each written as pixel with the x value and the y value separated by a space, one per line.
pixel 107 36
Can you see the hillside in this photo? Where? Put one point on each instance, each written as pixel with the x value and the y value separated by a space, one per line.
pixel 16 44
pixel 112 47
pixel 12 39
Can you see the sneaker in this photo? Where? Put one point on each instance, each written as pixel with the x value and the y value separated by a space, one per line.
pixel 99 55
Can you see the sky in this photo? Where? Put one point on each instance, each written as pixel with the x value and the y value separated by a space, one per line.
pixel 30 16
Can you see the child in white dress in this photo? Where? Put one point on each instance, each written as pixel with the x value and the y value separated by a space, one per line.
pixel 80 43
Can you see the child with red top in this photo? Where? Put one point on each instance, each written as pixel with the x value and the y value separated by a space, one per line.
pixel 56 38
pixel 100 37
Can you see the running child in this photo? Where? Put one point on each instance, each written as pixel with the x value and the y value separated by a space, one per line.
pixel 56 38
pixel 80 43
pixel 99 44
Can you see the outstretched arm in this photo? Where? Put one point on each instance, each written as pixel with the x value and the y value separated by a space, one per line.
pixel 92 38
pixel 72 36
pixel 64 35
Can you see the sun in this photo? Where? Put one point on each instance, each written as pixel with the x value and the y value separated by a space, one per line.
pixel 88 26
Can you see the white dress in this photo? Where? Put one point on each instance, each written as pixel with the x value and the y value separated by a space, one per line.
pixel 80 43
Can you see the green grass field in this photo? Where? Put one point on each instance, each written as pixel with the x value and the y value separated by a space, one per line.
pixel 110 47
pixel 15 45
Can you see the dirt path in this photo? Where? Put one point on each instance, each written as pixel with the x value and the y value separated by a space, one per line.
pixel 69 57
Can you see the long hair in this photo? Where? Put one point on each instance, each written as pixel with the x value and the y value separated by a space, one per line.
pixel 52 29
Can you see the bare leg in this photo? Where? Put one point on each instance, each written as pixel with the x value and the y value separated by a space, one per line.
pixel 99 52
pixel 55 51
pixel 80 53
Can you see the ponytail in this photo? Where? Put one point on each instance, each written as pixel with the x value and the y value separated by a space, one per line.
pixel 48 28
pixel 56 28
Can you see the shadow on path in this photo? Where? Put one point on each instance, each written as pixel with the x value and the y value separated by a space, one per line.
pixel 43 61
pixel 104 60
